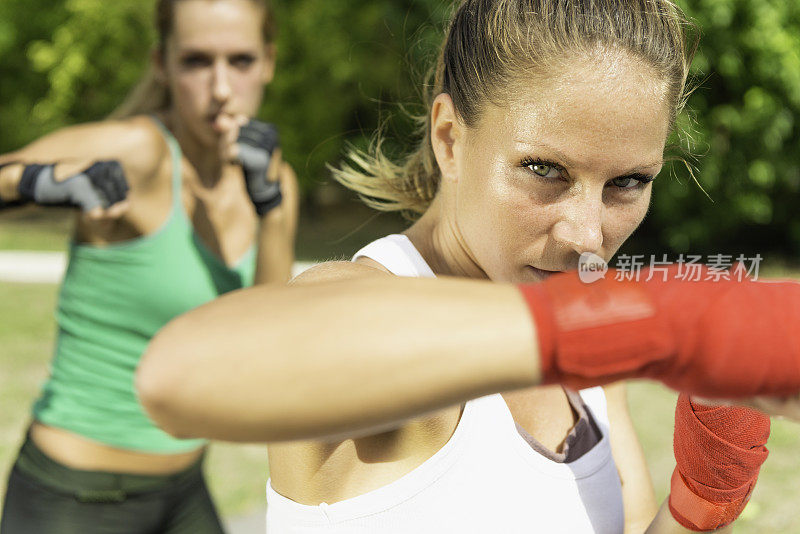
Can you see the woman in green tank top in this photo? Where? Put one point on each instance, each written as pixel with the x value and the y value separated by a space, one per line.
pixel 181 198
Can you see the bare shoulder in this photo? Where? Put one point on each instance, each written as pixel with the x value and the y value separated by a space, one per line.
pixel 337 271
pixel 137 143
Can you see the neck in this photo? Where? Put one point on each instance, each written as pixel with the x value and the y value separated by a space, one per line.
pixel 206 160
pixel 439 241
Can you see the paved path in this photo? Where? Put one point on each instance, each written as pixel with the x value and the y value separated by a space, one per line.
pixel 254 523
pixel 48 267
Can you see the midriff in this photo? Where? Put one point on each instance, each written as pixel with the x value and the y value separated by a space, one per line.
pixel 76 452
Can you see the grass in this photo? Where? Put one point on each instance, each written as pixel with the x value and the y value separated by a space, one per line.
pixel 32 228
pixel 237 474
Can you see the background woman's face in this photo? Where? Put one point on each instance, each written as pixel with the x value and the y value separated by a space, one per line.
pixel 561 169
pixel 216 63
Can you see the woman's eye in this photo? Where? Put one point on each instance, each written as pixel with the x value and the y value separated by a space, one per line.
pixel 242 62
pixel 631 182
pixel 625 183
pixel 544 170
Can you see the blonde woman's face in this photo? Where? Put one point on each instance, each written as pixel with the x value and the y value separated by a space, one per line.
pixel 562 169
pixel 216 63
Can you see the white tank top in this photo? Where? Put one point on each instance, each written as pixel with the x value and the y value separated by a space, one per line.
pixel 486 479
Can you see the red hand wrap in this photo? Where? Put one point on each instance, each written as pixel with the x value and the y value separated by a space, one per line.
pixel 719 451
pixel 711 338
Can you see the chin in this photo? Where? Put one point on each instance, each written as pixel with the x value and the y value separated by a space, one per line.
pixel 205 133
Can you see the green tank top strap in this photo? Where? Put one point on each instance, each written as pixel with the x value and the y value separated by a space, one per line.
pixel 177 156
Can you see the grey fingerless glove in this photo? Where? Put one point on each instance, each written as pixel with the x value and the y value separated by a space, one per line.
pixel 257 141
pixel 101 185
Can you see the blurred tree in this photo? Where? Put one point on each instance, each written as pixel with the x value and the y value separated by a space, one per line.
pixel 66 62
pixel 343 68
pixel 744 133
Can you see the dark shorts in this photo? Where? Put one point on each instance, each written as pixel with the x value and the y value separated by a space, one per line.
pixel 46 497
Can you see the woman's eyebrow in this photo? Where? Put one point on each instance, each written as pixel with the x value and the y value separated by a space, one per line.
pixel 647 166
pixel 560 155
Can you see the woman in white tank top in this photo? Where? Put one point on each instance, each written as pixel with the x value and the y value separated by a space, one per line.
pixel 547 122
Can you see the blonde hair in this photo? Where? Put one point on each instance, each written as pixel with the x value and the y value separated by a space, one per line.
pixel 489 45
pixel 151 95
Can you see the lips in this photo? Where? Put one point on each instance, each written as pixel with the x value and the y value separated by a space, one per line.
pixel 541 272
pixel 218 120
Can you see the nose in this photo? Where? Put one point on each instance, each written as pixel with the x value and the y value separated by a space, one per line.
pixel 581 224
pixel 221 87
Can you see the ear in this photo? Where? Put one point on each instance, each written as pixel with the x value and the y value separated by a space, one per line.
pixel 446 136
pixel 269 63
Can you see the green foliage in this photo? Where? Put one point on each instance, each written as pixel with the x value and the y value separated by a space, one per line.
pixel 344 67
pixel 341 67
pixel 67 62
pixel 746 138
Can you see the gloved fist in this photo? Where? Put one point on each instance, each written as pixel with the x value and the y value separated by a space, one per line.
pixel 101 185
pixel 717 339
pixel 256 144
pixel 719 451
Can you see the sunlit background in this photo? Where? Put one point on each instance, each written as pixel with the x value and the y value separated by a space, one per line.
pixel 346 67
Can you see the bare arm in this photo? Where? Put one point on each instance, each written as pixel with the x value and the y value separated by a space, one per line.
pixel 353 351
pixel 92 141
pixel 277 232
pixel 637 488
pixel 135 143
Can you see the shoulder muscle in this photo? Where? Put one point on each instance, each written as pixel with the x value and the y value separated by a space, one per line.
pixel 336 271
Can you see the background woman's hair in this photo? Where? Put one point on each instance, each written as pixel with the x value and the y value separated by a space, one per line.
pixel 151 95
pixel 491 44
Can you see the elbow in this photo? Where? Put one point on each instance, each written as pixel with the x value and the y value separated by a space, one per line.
pixel 158 389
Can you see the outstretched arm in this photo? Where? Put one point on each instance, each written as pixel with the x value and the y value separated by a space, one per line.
pixel 89 166
pixel 364 350
pixel 335 358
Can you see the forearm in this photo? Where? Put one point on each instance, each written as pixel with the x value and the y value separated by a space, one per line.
pixel 135 144
pixel 275 253
pixel 664 523
pixel 335 359
pixel 277 233
pixel 638 497
pixel 10 174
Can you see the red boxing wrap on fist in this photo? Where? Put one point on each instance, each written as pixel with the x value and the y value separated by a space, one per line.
pixel 719 451
pixel 714 338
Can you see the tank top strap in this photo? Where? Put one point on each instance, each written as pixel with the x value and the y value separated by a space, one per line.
pixel 595 400
pixel 398 255
pixel 176 156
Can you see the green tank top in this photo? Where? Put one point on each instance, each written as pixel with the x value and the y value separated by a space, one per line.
pixel 113 299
